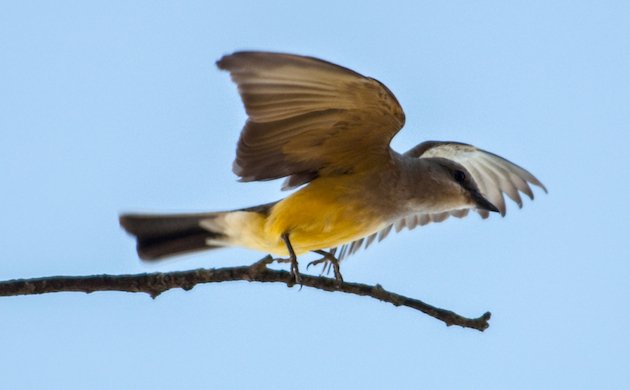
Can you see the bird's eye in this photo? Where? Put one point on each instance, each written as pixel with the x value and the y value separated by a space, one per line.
pixel 460 176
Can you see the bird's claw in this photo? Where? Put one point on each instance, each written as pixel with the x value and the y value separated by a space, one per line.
pixel 295 272
pixel 329 261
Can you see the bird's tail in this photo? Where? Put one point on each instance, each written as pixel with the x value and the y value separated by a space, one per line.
pixel 161 236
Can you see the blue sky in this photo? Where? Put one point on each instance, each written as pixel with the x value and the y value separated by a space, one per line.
pixel 111 106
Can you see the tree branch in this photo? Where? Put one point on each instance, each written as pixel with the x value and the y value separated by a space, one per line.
pixel 156 283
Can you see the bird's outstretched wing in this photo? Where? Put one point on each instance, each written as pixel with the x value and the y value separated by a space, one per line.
pixel 309 118
pixel 493 174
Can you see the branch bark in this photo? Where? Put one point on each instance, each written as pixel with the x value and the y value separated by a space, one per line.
pixel 155 284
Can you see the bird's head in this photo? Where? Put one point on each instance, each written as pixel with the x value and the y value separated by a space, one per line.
pixel 452 187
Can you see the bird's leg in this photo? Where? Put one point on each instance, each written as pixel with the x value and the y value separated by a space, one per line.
pixel 295 272
pixel 329 260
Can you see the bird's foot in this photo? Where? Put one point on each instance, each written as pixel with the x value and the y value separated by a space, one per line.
pixel 295 272
pixel 330 261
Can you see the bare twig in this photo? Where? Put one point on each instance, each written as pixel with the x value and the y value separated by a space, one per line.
pixel 156 283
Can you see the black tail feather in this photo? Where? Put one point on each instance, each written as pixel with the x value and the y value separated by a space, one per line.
pixel 160 236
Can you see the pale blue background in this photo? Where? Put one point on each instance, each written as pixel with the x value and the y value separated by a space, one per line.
pixel 110 106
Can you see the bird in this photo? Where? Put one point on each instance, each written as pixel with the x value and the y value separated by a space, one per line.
pixel 326 130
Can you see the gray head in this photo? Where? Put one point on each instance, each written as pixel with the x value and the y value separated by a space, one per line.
pixel 451 187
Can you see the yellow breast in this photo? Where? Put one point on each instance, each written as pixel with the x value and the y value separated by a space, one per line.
pixel 325 214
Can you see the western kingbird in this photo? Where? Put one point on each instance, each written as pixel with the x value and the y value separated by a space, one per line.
pixel 327 130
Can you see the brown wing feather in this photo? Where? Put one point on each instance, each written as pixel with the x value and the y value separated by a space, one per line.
pixel 308 117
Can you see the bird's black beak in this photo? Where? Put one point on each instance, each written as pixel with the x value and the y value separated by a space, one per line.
pixel 483 203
